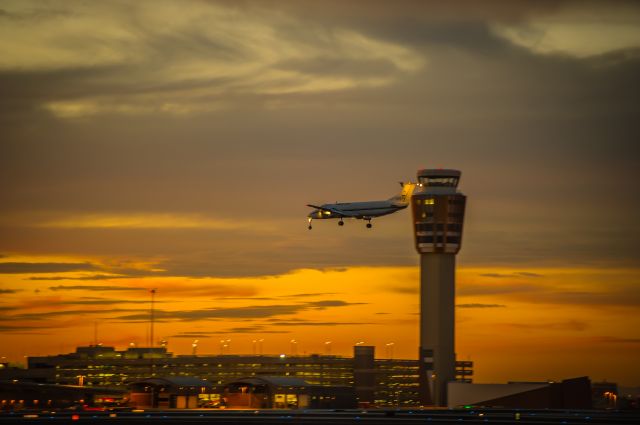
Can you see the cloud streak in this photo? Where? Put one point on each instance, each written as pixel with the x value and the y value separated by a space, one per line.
pixel 249 312
pixel 147 221
pixel 480 305
pixel 511 275
pixel 576 31
pixel 97 288
pixel 67 313
pixel 25 268
pixel 9 291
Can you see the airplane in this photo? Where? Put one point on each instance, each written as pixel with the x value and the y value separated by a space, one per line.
pixel 363 210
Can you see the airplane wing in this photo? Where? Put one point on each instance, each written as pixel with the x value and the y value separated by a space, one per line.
pixel 316 207
pixel 335 211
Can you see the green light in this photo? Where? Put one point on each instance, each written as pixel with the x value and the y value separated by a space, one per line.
pixel 467 407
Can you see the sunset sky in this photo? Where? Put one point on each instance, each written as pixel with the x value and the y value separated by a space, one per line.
pixel 175 144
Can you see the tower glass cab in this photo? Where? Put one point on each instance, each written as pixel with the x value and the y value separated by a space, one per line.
pixel 438 212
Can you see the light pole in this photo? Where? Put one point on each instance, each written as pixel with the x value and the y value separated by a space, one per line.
pixel 389 346
pixel 194 347
pixel 327 346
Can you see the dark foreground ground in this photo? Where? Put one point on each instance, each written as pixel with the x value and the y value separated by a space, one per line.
pixel 317 417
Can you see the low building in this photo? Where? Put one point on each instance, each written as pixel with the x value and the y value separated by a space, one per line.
pixel 171 393
pixel 276 392
pixel 378 382
pixel 18 394
pixel 604 395
pixel 568 394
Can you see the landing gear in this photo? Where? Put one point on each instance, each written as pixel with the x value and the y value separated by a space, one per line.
pixel 341 223
pixel 310 224
pixel 369 225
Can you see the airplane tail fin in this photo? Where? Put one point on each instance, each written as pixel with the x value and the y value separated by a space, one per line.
pixel 404 197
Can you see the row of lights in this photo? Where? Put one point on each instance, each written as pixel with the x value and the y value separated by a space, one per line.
pixel 257 344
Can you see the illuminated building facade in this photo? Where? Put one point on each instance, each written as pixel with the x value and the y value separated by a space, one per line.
pixel 438 215
pixel 381 382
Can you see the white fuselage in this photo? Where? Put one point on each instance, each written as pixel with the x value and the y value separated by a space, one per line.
pixel 361 210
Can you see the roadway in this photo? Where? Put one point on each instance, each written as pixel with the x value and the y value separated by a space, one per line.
pixel 317 417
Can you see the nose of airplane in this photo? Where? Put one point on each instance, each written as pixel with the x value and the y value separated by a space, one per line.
pixel 315 214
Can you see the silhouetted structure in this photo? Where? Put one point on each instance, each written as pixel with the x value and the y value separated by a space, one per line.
pixel 438 215
pixel 569 394
pixel 278 392
pixel 173 393
pixel 380 382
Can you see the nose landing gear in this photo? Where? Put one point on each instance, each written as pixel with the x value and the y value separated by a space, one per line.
pixel 341 223
pixel 310 224
pixel 369 225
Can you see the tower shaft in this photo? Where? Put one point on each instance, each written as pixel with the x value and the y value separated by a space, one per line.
pixel 437 325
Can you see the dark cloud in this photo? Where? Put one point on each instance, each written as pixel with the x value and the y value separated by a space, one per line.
pixel 312 294
pixel 9 291
pixel 106 302
pixel 98 288
pixel 67 313
pixel 319 323
pixel 246 298
pixel 249 312
pixel 478 305
pixel 511 275
pixel 234 330
pixel 16 268
pixel 529 274
pixel 497 275
pixel 91 277
pixel 331 303
pixel 7 308
pixel 21 329
pixel 293 319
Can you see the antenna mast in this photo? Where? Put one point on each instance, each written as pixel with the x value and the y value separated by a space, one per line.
pixel 152 317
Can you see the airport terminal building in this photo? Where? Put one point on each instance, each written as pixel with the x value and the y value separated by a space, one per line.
pixel 376 382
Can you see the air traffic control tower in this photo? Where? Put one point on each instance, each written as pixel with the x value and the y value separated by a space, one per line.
pixel 438 215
